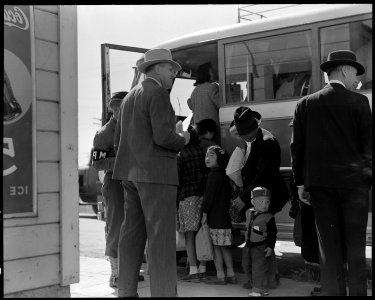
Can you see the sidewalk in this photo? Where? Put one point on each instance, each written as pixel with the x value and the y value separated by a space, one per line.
pixel 94 276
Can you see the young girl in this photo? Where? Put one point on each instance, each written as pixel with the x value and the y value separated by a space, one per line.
pixel 215 208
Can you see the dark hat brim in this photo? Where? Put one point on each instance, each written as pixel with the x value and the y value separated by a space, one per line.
pixel 143 66
pixel 332 63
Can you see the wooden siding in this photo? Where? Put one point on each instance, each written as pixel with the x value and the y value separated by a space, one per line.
pixel 32 245
pixel 47 116
pixel 48 146
pixel 31 273
pixel 40 240
pixel 48 177
pixel 69 146
pixel 47 85
pixel 46 26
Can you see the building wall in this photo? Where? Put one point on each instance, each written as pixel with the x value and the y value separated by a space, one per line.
pixel 41 254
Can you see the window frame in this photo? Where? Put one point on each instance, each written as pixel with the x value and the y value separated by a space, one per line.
pixel 316 83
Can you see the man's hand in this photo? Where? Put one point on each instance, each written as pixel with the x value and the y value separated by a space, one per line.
pixel 303 195
pixel 268 252
pixel 238 203
pixel 185 135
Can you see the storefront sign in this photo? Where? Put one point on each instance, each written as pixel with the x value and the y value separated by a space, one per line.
pixel 18 113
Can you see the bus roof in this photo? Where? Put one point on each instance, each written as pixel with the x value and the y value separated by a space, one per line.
pixel 330 11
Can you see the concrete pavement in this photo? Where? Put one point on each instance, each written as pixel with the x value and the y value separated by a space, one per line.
pixel 95 272
pixel 95 269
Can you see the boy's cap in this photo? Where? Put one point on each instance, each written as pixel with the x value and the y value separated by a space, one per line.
pixel 260 191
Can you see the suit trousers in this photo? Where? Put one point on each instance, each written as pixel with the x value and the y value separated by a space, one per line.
pixel 113 193
pixel 150 214
pixel 341 221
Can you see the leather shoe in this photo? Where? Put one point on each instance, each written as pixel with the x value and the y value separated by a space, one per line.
pixel 218 281
pixel 232 280
pixel 141 278
pixel 316 292
pixel 191 278
pixel 248 285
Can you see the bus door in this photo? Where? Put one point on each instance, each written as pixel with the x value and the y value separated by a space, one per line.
pixel 119 72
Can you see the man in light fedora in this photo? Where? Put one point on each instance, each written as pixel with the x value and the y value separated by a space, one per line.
pixel 331 151
pixel 146 162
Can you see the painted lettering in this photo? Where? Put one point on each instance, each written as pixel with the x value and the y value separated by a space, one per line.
pixel 16 17
pixel 18 190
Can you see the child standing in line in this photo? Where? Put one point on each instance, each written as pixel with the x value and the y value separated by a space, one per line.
pixel 191 176
pixel 206 129
pixel 215 208
pixel 260 241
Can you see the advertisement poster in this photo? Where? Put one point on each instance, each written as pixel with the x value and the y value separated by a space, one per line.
pixel 18 123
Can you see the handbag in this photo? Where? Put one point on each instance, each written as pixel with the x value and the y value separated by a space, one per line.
pixel 203 244
pixel 235 214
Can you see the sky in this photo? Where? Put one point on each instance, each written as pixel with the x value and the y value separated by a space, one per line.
pixel 141 26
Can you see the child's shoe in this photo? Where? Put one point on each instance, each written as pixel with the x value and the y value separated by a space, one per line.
pixel 113 281
pixel 263 293
pixel 191 278
pixel 217 281
pixel 248 285
pixel 232 280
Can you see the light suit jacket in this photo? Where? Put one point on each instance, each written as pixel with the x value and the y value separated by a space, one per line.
pixel 146 138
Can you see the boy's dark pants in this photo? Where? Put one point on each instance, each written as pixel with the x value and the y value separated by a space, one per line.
pixel 260 270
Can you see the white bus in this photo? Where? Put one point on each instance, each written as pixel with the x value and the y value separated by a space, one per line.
pixel 268 65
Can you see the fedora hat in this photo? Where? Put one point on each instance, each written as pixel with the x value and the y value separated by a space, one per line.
pixel 342 57
pixel 244 120
pixel 156 56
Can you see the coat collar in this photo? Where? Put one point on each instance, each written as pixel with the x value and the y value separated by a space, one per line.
pixel 334 85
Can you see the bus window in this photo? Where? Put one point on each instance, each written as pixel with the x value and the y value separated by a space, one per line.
pixel 357 37
pixel 267 69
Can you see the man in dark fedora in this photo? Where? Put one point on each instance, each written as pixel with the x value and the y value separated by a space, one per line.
pixel 331 152
pixel 146 162
pixel 261 168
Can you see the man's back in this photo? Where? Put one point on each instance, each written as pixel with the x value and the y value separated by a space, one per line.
pixel 337 127
pixel 148 143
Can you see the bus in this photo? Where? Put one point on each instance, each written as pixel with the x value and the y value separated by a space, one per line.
pixel 267 65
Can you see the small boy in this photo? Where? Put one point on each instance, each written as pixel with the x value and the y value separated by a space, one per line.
pixel 260 242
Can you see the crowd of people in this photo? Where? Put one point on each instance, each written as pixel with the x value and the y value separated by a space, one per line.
pixel 161 178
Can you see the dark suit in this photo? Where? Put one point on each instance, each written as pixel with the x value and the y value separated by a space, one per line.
pixel 146 162
pixel 331 152
pixel 262 168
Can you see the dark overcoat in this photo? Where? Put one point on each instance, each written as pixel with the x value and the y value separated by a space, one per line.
pixel 332 147
pixel 262 168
